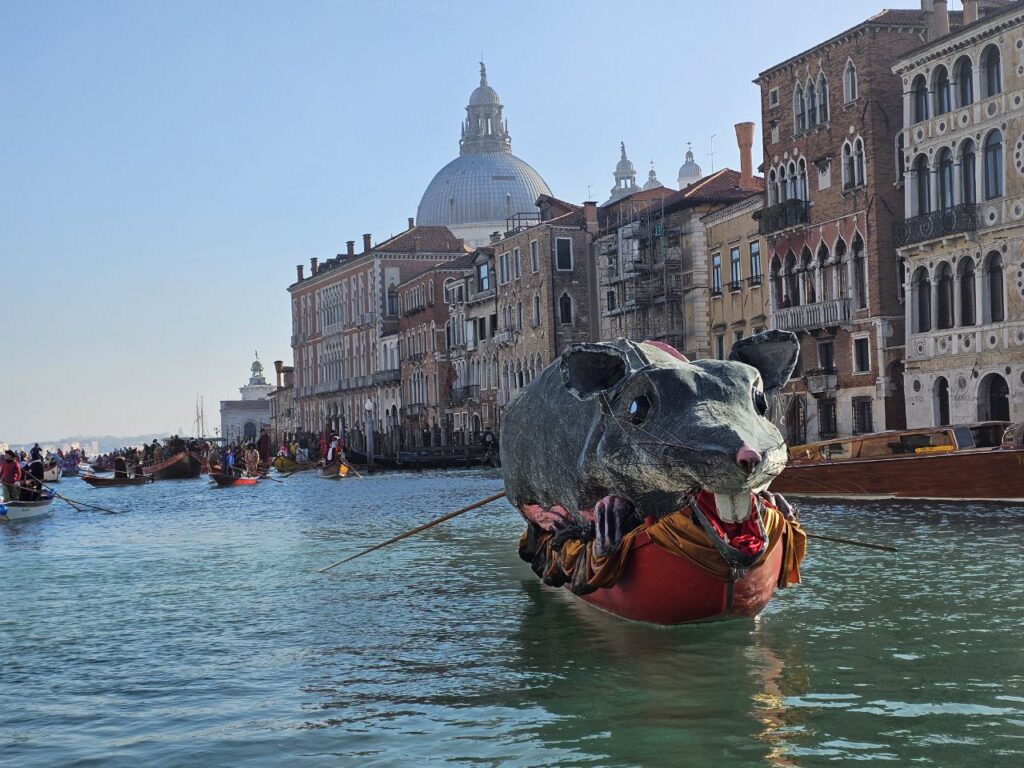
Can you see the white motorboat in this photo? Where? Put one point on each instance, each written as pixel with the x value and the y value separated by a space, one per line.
pixel 25 510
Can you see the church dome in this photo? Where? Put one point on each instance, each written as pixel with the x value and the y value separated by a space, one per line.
pixel 478 191
pixel 482 187
pixel 689 172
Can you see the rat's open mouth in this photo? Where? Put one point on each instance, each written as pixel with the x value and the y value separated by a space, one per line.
pixel 733 523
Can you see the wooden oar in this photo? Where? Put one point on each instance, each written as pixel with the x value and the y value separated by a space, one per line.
pixel 423 527
pixel 73 502
pixel 354 470
pixel 852 542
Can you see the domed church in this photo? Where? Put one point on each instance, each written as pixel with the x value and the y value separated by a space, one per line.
pixel 476 193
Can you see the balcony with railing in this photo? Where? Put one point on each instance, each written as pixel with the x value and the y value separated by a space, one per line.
pixel 806 317
pixel 821 381
pixel 929 226
pixel 788 213
pixel 503 337
pixel 388 376
pixel 414 411
pixel 460 395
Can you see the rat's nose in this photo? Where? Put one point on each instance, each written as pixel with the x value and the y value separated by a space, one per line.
pixel 747 458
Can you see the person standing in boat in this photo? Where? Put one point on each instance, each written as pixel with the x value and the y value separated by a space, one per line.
pixel 252 460
pixel 121 468
pixel 10 476
pixel 263 446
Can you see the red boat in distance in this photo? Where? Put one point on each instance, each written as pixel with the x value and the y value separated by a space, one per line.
pixel 229 480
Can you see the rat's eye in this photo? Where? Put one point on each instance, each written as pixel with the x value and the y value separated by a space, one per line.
pixel 760 401
pixel 639 409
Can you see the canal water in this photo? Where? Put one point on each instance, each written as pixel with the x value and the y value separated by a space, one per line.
pixel 193 630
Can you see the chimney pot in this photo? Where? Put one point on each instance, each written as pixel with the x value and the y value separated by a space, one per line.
pixel 970 11
pixel 940 19
pixel 351 244
pixel 745 140
pixel 313 262
pixel 412 222
pixel 298 273
pixel 366 242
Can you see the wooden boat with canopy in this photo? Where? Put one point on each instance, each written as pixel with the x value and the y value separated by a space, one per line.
pixel 980 461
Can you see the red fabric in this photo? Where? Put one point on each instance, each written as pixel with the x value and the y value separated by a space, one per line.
pixel 745 536
pixel 668 348
pixel 10 472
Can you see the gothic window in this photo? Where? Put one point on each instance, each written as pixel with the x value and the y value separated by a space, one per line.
pixel 923 185
pixel 945 179
pixel 850 82
pixel 921 299
pixel 858 161
pixel 807 273
pixel 802 192
pixel 565 309
pixel 968 185
pixel 773 194
pixel 799 110
pixel 992 71
pixel 944 283
pixel 993 287
pixel 811 99
pixel 825 269
pixel 994 165
pixel 791 291
pixel 964 73
pixel 919 90
pixel 941 87
pixel 822 99
pixel 968 299
pixel 849 171
pixel 776 277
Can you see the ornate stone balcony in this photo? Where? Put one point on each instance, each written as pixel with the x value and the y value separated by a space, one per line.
pixel 824 314
pixel 929 226
pixel 388 376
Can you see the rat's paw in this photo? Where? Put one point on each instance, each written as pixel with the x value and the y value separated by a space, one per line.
pixel 610 515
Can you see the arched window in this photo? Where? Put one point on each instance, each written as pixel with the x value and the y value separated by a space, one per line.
pixel 993 165
pixel 811 99
pixel 921 297
pixel 992 70
pixel 843 285
pixel 993 399
pixel 858 161
pixel 783 184
pixel 967 293
pixel 993 285
pixel 807 274
pixel 799 110
pixel 791 291
pixel 964 72
pixel 968 185
pixel 860 272
pixel 822 99
pixel 849 172
pixel 802 193
pixel 794 182
pixel 773 194
pixel 940 82
pixel 945 179
pixel 919 90
pixel 941 402
pixel 565 309
pixel 849 82
pixel 922 185
pixel 776 277
pixel 944 280
pixel 827 271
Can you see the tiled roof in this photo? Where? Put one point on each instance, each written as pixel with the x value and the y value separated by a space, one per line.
pixel 720 187
pixel 422 239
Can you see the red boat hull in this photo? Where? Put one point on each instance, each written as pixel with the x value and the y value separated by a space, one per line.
pixel 230 480
pixel 659 587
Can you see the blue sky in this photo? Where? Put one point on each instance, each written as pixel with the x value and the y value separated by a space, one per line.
pixel 164 166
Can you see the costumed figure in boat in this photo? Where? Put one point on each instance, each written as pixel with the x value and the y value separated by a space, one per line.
pixel 644 478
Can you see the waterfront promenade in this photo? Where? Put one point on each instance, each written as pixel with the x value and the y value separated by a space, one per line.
pixel 193 630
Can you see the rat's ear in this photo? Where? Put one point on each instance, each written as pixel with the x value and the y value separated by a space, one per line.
pixel 774 353
pixel 590 369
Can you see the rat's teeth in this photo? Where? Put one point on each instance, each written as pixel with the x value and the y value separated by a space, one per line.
pixel 734 507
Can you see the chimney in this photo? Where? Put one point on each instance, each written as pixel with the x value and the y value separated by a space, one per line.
pixel 745 140
pixel 590 216
pixel 351 247
pixel 298 273
pixel 940 19
pixel 495 237
pixel 412 222
pixel 278 365
pixel 970 11
pixel 312 265
pixel 366 242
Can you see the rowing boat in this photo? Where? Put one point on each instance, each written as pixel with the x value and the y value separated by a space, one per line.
pixel 107 482
pixel 25 510
pixel 229 480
